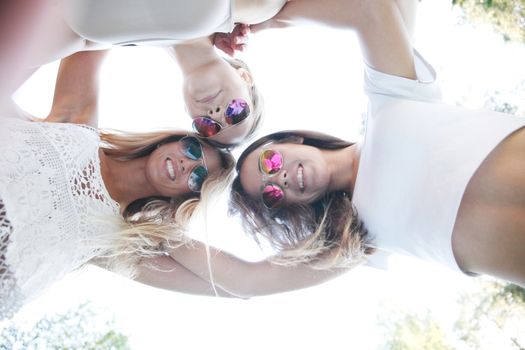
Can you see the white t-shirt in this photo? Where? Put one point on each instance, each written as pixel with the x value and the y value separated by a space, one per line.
pixel 417 158
pixel 160 22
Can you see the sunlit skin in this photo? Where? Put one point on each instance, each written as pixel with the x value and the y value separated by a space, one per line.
pixel 128 181
pixel 210 84
pixel 322 171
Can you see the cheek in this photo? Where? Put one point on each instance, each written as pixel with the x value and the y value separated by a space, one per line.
pixel 150 170
pixel 250 183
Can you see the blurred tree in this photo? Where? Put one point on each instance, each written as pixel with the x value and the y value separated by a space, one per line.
pixel 507 16
pixel 407 331
pixel 79 328
pixel 508 101
pixel 492 317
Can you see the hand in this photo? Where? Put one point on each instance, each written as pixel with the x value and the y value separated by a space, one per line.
pixel 234 41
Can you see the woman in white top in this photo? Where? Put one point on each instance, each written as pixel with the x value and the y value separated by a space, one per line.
pixel 220 94
pixel 72 195
pixel 437 182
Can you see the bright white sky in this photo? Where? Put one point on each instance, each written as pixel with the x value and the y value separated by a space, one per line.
pixel 311 79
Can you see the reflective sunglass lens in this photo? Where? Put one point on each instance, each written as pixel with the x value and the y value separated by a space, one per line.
pixel 237 111
pixel 191 148
pixel 197 177
pixel 272 196
pixel 271 162
pixel 206 127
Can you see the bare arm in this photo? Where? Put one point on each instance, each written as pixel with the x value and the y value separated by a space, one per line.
pixel 165 273
pixel 247 279
pixel 383 27
pixel 76 90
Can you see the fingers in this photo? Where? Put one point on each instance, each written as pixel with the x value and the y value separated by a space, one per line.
pixel 237 40
pixel 222 42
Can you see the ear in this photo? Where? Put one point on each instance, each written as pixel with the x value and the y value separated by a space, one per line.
pixel 245 75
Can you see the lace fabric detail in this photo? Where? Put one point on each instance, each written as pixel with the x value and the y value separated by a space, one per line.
pixel 10 295
pixel 54 206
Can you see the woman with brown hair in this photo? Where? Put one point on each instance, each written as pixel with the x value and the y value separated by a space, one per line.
pixel 429 180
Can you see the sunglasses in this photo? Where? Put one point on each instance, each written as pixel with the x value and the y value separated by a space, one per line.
pixel 237 111
pixel 192 149
pixel 270 163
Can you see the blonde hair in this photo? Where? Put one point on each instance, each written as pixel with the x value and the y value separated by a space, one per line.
pixel 151 225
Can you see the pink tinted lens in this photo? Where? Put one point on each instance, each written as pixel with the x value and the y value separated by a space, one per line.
pixel 206 127
pixel 237 111
pixel 272 196
pixel 271 162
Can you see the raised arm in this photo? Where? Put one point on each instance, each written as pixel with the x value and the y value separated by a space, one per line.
pixel 248 279
pixel 77 87
pixel 384 27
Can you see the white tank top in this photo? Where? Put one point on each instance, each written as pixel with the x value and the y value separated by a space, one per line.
pixel 159 22
pixel 417 158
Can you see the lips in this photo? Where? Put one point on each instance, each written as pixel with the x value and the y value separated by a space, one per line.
pixel 170 168
pixel 300 177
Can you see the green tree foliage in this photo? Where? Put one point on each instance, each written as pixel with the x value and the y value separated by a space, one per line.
pixel 492 317
pixel 509 101
pixel 79 328
pixel 507 16
pixel 407 331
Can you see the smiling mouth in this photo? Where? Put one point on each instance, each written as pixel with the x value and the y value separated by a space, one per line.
pixel 209 98
pixel 300 177
pixel 170 169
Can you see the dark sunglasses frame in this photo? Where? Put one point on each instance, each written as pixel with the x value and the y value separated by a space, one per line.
pixel 187 153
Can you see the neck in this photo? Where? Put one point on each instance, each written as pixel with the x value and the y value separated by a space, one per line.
pixel 125 180
pixel 192 54
pixel 343 165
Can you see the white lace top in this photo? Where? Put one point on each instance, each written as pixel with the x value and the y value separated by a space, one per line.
pixel 54 208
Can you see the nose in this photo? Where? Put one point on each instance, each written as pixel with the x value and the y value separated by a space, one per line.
pixel 282 178
pixel 186 164
pixel 215 112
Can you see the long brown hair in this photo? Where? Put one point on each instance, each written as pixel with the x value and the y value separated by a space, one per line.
pixel 325 234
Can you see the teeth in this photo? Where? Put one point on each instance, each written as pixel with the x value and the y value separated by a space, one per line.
pixel 171 171
pixel 300 178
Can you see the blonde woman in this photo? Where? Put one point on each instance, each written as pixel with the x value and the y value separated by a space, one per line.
pixel 220 94
pixel 72 195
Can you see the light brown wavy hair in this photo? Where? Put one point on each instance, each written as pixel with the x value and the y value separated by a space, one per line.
pixel 151 225
pixel 324 234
